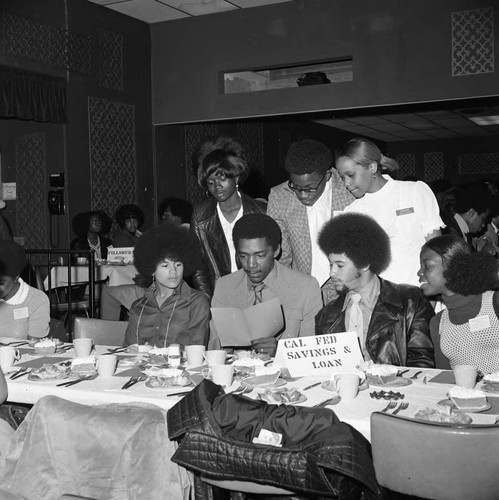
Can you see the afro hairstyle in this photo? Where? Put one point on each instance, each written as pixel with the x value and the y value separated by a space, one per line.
pixel 129 211
pixel 257 225
pixel 472 196
pixel 178 207
pixel 465 272
pixel 224 155
pixel 360 238
pixel 307 156
pixel 81 222
pixel 12 258
pixel 167 241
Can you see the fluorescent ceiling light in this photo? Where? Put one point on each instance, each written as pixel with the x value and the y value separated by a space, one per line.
pixel 485 120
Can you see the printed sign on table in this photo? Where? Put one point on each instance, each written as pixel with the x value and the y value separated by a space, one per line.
pixel 123 255
pixel 318 354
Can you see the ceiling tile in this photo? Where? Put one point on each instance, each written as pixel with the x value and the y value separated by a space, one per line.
pixel 368 120
pixel 442 134
pixel 200 7
pixel 453 122
pixel 107 2
pixel 149 11
pixel 399 118
pixel 256 3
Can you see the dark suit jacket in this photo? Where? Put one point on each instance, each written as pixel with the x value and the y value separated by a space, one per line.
pixel 399 331
pixel 81 243
pixel 207 227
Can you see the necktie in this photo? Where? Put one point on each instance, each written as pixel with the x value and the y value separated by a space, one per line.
pixel 355 318
pixel 258 292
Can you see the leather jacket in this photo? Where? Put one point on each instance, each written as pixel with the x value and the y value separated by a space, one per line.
pixel 399 331
pixel 207 227
pixel 320 456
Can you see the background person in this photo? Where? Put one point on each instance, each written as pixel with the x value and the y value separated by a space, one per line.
pixel 130 219
pixel 468 329
pixel 302 205
pixel 391 320
pixel 221 165
pixel 257 240
pixel 24 310
pixel 89 227
pixel 408 211
pixel 177 210
pixel 170 312
pixel 6 430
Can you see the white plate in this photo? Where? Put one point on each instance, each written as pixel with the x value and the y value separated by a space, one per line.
pixel 329 386
pixel 450 403
pixel 248 382
pixel 398 382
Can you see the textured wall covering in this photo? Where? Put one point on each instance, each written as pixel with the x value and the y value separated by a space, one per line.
pixel 31 215
pixel 111 60
pixel 112 154
pixel 36 41
pixel 194 136
pixel 433 166
pixel 485 163
pixel 473 42
pixel 251 135
pixel 407 164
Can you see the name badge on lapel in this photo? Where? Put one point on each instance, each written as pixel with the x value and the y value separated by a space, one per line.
pixel 21 313
pixel 479 323
pixel 404 211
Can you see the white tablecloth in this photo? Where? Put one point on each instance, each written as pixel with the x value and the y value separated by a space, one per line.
pixel 118 275
pixel 356 412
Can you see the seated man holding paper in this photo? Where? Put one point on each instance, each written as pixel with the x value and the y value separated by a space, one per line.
pixel 263 301
pixel 391 320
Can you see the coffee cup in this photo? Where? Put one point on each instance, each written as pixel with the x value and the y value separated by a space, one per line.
pixel 215 357
pixel 106 365
pixel 82 261
pixel 83 347
pixel 347 385
pixel 220 374
pixel 195 354
pixel 465 375
pixel 8 356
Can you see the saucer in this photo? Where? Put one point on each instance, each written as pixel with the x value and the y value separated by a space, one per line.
pixel 448 402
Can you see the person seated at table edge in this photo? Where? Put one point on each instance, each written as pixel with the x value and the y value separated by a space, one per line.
pixel 6 430
pixel 257 241
pixel 24 310
pixel 89 227
pixel 391 320
pixel 468 329
pixel 130 219
pixel 170 310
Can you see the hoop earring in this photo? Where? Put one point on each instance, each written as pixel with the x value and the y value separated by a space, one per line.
pixel 207 193
pixel 153 278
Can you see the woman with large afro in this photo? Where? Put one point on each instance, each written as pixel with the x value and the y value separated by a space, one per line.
pixel 24 310
pixel 468 329
pixel 220 166
pixel 170 312
pixel 90 227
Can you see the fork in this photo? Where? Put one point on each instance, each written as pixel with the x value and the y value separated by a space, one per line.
pixel 74 382
pixel 390 406
pixel 19 373
pixel 137 379
pixel 416 375
pixel 402 406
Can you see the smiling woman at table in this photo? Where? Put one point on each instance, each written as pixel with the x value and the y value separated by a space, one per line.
pixel 469 327
pixel 24 310
pixel 170 311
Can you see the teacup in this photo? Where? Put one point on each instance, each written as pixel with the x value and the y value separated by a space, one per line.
pixel 82 261
pixel 106 365
pixel 83 347
pixel 8 356
pixel 215 357
pixel 347 385
pixel 220 374
pixel 195 354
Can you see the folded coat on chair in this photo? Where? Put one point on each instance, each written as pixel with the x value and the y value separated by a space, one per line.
pixel 320 455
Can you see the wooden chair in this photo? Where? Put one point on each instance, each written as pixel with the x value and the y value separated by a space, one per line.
pixel 435 461
pixel 102 331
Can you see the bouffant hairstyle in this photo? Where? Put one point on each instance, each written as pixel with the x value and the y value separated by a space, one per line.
pixel 167 241
pixel 307 156
pixel 178 207
pixel 365 152
pixel 465 272
pixel 360 238
pixel 129 211
pixel 474 195
pixel 81 222
pixel 256 225
pixel 12 259
pixel 222 155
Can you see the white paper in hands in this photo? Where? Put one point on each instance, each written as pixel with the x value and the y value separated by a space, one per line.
pixel 238 327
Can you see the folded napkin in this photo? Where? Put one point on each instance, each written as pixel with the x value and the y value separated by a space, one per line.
pixel 444 377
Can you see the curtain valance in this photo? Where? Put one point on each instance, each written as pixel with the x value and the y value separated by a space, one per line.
pixel 31 96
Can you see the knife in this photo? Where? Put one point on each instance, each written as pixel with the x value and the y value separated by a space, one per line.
pixel 310 386
pixel 178 393
pixel 20 373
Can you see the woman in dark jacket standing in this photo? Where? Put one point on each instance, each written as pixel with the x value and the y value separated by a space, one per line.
pixel 221 165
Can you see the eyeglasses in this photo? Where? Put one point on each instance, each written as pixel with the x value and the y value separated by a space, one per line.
pixel 314 189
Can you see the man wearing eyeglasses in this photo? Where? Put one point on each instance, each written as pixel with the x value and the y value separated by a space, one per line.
pixel 303 205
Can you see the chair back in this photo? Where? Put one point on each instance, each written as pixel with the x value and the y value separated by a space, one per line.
pixel 102 331
pixel 441 361
pixel 435 461
pixel 247 487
